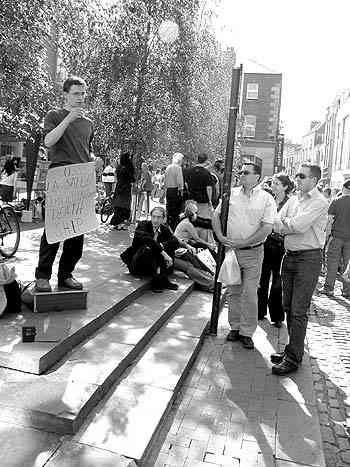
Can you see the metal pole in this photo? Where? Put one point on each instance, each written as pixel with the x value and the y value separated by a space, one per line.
pixel 230 145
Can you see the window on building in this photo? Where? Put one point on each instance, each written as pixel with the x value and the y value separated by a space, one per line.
pixel 249 126
pixel 246 158
pixel 252 90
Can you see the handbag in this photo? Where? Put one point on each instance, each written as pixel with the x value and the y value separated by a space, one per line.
pixel 230 272
pixel 206 258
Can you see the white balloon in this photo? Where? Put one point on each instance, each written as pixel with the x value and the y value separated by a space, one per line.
pixel 168 31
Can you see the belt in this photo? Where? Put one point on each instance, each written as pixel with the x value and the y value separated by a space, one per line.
pixel 250 247
pixel 299 252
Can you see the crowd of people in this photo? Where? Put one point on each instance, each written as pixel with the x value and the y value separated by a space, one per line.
pixel 281 231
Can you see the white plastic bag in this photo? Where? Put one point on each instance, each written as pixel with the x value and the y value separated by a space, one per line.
pixel 230 272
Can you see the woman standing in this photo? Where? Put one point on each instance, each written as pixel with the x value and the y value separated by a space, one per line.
pixel 8 180
pixel 273 254
pixel 145 188
pixel 122 192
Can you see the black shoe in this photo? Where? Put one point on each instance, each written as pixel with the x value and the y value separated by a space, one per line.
pixel 233 336
pixel 277 324
pixel 156 285
pixel 247 342
pixel 70 283
pixel 284 368
pixel 277 358
pixel 170 285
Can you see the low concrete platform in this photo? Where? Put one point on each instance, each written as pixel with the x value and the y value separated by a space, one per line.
pixel 60 400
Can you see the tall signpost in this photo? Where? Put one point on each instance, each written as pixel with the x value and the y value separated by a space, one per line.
pixel 237 74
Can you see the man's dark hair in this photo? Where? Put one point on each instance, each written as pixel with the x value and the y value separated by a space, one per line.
pixel 71 81
pixel 315 170
pixel 256 167
pixel 202 157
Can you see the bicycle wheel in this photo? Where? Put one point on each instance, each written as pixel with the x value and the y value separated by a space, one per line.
pixel 106 210
pixel 9 232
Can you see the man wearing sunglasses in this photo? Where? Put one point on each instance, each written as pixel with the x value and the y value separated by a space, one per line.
pixel 252 212
pixel 302 220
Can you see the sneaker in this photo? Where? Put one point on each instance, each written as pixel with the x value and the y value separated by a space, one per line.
pixel 70 283
pixel 327 292
pixel 247 342
pixel 233 336
pixel 284 368
pixel 43 285
pixel 276 358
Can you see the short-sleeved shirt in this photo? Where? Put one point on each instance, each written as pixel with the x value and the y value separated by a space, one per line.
pixel 247 213
pixel 198 178
pixel 74 146
pixel 173 177
pixel 185 230
pixel 340 209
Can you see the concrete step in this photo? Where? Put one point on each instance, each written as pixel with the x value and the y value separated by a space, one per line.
pixel 60 400
pixel 129 419
pixel 59 332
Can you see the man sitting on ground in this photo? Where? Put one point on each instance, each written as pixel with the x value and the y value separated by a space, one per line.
pixel 152 251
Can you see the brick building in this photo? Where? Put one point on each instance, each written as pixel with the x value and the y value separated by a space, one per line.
pixel 260 109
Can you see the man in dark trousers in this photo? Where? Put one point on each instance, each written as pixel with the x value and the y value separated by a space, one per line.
pixel 68 134
pixel 302 221
pixel 152 251
pixel 338 250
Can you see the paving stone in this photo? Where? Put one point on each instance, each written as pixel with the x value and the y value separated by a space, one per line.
pixel 220 460
pixel 21 447
pixel 298 436
pixel 79 455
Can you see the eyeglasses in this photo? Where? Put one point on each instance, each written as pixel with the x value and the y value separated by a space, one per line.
pixel 300 175
pixel 245 172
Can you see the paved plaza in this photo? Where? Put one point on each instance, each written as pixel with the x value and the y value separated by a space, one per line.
pixel 231 410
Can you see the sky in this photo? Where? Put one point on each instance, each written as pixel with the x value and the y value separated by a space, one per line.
pixel 305 40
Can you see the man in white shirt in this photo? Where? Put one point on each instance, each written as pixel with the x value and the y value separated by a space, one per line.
pixel 303 221
pixel 252 213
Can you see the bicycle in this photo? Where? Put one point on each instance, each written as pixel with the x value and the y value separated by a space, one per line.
pixel 10 231
pixel 106 209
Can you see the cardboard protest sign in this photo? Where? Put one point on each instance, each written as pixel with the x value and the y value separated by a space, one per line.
pixel 70 201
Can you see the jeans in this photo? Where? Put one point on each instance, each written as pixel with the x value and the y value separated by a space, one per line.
pixel 243 299
pixel 71 254
pixel 300 273
pixel 271 296
pixel 338 254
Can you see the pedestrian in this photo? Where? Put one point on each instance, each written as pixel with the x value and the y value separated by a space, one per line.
pixel 200 186
pixel 270 296
pixel 156 181
pixel 302 221
pixel 152 251
pixel 8 180
pixel 108 177
pixel 144 189
pixel 338 248
pixel 68 134
pixel 174 186
pixel 252 212
pixel 218 170
pixel 122 194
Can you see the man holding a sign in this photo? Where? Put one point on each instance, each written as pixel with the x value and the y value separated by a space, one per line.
pixel 70 187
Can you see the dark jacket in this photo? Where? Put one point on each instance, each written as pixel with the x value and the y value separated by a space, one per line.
pixel 144 236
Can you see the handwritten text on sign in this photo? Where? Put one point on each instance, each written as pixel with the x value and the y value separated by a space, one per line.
pixel 70 201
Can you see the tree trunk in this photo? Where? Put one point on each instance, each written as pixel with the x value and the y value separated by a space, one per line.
pixel 31 151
